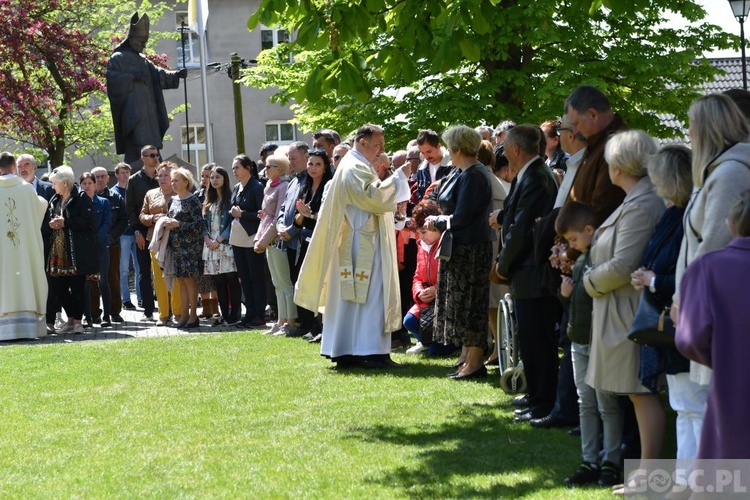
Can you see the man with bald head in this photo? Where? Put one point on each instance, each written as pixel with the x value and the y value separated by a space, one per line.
pixel 26 166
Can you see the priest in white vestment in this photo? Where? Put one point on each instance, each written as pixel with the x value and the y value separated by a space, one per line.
pixel 350 272
pixel 23 283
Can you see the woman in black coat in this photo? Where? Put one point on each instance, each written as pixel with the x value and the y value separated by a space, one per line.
pixel 69 226
pixel 246 201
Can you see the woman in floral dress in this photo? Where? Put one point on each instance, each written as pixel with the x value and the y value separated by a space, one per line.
pixel 218 257
pixel 187 229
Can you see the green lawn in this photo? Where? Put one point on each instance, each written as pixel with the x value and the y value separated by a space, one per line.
pixel 243 415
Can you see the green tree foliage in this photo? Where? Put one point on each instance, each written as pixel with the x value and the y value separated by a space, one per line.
pixel 411 64
pixel 53 60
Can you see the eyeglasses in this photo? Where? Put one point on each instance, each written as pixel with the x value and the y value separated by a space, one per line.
pixel 102 176
pixel 270 165
pixel 413 159
pixel 151 155
pixel 337 157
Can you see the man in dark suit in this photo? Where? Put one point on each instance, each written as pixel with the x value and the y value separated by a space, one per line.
pixel 532 195
pixel 27 166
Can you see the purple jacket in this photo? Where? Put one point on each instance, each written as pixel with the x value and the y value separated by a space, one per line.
pixel 714 329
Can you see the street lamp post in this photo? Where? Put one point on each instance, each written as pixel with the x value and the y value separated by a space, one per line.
pixel 740 10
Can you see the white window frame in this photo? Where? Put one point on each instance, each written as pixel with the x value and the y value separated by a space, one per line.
pixel 197 149
pixel 275 38
pixel 192 43
pixel 279 140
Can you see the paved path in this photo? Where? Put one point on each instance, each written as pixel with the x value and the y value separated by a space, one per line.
pixel 131 328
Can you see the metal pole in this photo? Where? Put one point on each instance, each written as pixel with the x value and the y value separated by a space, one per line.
pixel 183 29
pixel 238 120
pixel 206 114
pixel 744 59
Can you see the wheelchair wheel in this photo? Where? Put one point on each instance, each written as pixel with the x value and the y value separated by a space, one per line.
pixel 505 335
pixel 513 381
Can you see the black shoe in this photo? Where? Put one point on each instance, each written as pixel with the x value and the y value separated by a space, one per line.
pixel 97 320
pixel 116 318
pixel 128 306
pixel 194 324
pixel 295 332
pixel 87 323
pixel 575 431
pixel 140 304
pixel 379 363
pixel 522 411
pixel 524 417
pixel 586 473
pixel 480 372
pixel 521 401
pixel 550 421
pixel 106 323
pixel 609 475
pixel 219 322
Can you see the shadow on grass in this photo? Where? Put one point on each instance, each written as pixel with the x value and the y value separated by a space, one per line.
pixel 416 369
pixel 67 338
pixel 480 441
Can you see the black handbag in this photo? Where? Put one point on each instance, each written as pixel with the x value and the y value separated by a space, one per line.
pixel 445 245
pixel 652 326
pixel 426 325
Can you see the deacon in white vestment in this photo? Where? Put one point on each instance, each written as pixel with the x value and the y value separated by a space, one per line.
pixel 23 283
pixel 350 272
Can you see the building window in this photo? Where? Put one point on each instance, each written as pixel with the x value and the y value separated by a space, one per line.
pixel 192 43
pixel 195 135
pixel 279 132
pixel 270 37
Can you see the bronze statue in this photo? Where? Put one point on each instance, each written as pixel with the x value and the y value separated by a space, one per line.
pixel 134 88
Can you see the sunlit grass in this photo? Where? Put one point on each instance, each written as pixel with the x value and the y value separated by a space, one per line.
pixel 243 415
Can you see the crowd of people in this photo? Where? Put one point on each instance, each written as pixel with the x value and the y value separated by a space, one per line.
pixel 580 219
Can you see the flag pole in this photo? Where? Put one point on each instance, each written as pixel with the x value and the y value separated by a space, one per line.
pixel 183 29
pixel 204 87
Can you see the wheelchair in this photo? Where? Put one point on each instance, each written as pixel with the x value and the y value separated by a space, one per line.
pixel 512 379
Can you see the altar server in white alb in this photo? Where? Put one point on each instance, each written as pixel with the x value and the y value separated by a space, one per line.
pixel 23 284
pixel 350 272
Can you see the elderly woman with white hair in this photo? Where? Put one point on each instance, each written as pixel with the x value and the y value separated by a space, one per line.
pixel 73 249
pixel 463 289
pixel 616 252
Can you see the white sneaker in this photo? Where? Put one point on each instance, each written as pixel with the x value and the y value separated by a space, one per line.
pixel 59 321
pixel 274 329
pixel 67 327
pixel 283 330
pixel 416 349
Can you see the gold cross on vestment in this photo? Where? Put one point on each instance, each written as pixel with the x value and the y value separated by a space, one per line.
pixel 345 273
pixel 362 276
